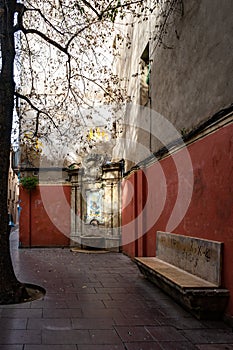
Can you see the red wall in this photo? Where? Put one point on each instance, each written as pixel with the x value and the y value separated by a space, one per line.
pixel 45 216
pixel 210 212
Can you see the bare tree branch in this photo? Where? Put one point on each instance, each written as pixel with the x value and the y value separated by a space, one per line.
pixel 78 33
pixel 30 63
pixel 25 98
pixel 119 5
pixel 46 20
pixel 46 38
pixel 86 3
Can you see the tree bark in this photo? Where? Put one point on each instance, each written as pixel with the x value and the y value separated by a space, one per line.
pixel 11 289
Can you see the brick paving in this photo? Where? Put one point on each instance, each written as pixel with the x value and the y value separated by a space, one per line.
pixel 99 302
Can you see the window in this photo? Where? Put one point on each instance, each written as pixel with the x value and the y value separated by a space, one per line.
pixel 144 76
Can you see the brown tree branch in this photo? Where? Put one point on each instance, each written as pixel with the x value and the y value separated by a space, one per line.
pixel 119 5
pixel 86 3
pixel 39 111
pixel 46 20
pixel 46 38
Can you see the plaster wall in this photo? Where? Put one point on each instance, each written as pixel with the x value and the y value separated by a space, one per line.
pixel 129 49
pixel 208 212
pixel 191 75
pixel 193 79
pixel 45 216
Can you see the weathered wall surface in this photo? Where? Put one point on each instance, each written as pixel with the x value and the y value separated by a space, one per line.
pixel 129 49
pixel 45 216
pixel 191 75
pixel 194 79
pixel 208 212
pixel 191 80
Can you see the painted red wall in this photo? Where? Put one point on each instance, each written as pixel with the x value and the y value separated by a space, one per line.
pixel 210 212
pixel 128 215
pixel 45 216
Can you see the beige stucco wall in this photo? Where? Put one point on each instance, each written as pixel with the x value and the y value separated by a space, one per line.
pixel 194 80
pixel 191 73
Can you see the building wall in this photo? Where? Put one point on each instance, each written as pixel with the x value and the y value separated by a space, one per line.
pixel 187 189
pixel 191 75
pixel 208 212
pixel 193 79
pixel 45 216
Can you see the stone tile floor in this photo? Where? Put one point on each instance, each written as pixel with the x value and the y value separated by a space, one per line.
pixel 99 302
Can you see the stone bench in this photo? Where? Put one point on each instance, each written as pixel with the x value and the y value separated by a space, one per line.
pixel 189 270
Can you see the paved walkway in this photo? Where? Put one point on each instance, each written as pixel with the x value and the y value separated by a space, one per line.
pixel 98 302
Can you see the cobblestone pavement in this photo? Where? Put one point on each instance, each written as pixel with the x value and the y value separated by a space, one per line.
pixel 98 302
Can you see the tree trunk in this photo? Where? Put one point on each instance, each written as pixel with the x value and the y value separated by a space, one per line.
pixel 11 289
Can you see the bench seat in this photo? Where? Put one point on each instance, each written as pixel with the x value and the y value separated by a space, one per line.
pixel 204 299
pixel 174 274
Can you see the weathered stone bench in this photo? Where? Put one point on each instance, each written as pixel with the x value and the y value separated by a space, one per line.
pixel 189 270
